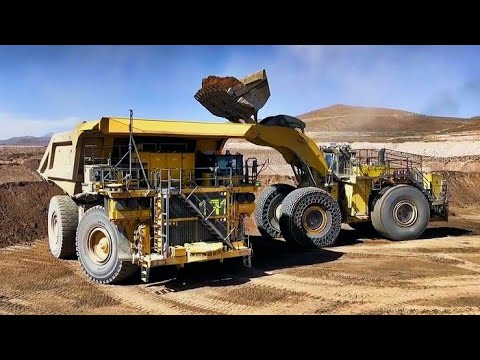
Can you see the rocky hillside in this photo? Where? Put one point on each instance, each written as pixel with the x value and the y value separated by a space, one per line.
pixel 339 118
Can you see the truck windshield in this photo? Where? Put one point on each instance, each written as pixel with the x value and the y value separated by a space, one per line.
pixel 225 163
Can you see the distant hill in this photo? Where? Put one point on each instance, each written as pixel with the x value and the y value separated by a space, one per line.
pixel 369 119
pixel 27 140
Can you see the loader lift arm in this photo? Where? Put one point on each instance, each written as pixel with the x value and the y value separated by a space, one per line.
pixel 239 102
pixel 299 151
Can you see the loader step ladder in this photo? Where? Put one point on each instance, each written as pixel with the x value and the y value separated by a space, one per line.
pixel 444 193
pixel 417 177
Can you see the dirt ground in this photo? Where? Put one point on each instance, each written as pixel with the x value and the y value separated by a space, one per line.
pixel 436 274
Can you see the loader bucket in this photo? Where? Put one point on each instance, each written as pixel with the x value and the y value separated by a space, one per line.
pixel 234 99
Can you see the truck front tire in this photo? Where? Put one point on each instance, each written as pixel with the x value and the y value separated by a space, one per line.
pixel 98 248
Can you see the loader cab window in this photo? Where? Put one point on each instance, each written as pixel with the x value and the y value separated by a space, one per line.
pixel 331 161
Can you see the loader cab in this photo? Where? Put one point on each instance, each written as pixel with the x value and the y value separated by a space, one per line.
pixel 338 158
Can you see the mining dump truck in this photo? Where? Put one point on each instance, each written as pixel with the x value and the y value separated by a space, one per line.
pixel 143 193
pixel 168 198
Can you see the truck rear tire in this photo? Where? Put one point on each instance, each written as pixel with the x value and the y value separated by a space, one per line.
pixel 402 213
pixel 98 248
pixel 311 217
pixel 268 209
pixel 62 225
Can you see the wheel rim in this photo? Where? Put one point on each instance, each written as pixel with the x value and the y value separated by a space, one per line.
pixel 277 212
pixel 99 246
pixel 54 227
pixel 314 219
pixel 405 213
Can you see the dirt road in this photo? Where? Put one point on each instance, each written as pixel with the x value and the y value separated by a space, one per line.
pixel 438 274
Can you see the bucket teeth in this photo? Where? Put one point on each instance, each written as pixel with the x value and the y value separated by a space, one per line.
pixel 220 103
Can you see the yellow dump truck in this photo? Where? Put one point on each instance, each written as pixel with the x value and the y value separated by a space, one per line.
pixel 178 200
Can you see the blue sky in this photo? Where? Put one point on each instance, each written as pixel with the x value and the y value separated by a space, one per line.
pixel 51 88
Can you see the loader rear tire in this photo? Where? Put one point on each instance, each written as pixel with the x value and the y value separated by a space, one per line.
pixel 402 213
pixel 62 225
pixel 311 217
pixel 98 248
pixel 267 210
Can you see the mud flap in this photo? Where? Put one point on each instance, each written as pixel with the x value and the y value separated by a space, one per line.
pixel 125 252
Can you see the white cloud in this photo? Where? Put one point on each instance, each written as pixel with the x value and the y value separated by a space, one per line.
pixel 12 125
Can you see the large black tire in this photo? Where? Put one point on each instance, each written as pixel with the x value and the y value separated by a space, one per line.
pixel 102 266
pixel 402 213
pixel 311 217
pixel 62 226
pixel 265 214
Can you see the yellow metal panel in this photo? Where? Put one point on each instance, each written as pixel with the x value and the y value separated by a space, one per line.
pixel 236 253
pixel 204 145
pixel 159 161
pixel 434 183
pixel 370 170
pixel 112 125
pixel 145 158
pixel 174 164
pixel 188 165
pixel 243 189
pixel 177 251
pixel 157 260
pixel 246 208
pixel 204 247
pixel 115 214
pixel 361 193
pixel 145 237
pixel 238 244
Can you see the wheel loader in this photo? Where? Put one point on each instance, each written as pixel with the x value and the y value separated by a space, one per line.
pixel 383 189
pixel 142 193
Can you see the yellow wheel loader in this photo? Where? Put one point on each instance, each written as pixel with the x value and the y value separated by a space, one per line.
pixel 335 184
pixel 143 193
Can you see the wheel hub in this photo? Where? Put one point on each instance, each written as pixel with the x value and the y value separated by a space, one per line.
pixel 278 211
pixel 54 226
pixel 314 219
pixel 99 246
pixel 405 213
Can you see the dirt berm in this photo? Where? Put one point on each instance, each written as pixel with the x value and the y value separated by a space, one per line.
pixel 24 210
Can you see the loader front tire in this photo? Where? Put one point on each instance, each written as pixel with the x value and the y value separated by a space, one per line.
pixel 311 217
pixel 62 225
pixel 402 213
pixel 268 209
pixel 98 248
